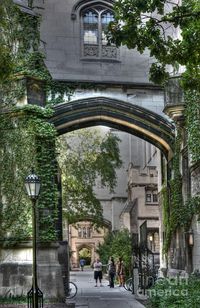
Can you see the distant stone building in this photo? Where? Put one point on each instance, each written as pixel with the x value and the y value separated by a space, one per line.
pixel 134 201
pixel 76 50
pixel 83 235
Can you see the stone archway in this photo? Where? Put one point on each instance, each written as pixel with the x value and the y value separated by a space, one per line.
pixel 86 254
pixel 121 115
pixel 80 238
pixel 117 114
pixel 89 246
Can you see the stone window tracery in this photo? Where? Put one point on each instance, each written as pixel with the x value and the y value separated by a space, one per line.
pixel 84 232
pixel 95 45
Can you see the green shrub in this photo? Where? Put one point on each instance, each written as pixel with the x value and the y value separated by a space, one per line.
pixel 11 299
pixel 176 292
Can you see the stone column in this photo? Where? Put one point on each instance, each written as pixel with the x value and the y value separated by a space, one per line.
pixel 16 269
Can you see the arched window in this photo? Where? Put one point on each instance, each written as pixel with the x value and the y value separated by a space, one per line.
pixel 95 21
pixel 90 27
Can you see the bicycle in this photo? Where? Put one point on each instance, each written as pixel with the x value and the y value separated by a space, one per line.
pixel 128 286
pixel 70 290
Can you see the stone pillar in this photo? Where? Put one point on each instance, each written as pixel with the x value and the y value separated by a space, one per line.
pixel 63 259
pixel 16 270
pixel 135 280
pixel 50 270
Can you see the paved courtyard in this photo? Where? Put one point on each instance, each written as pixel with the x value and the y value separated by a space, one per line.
pixel 89 296
pixel 101 297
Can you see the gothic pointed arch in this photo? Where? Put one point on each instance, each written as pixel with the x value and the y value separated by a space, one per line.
pixel 93 18
pixel 82 4
pixel 117 114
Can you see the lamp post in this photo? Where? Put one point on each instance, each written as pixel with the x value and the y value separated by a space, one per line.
pixel 32 184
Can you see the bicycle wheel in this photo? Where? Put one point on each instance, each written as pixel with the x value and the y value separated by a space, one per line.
pixel 72 291
pixel 128 285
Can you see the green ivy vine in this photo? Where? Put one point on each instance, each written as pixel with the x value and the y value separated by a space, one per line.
pixel 192 114
pixel 172 197
pixel 176 213
pixel 28 140
pixel 166 217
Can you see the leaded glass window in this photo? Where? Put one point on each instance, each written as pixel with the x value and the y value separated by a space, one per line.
pixel 95 21
pixel 90 27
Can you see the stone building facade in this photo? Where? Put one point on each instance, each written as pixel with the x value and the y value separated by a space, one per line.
pixel 76 52
pixel 134 201
pixel 73 40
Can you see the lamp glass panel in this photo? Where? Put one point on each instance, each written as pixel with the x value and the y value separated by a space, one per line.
pixel 28 189
pixel 191 239
pixel 151 238
pixel 32 189
pixel 37 189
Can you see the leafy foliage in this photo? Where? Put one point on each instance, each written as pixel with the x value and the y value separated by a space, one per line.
pixel 19 34
pixel 170 30
pixel 11 299
pixel 175 292
pixel 27 140
pixel 155 25
pixel 16 153
pixel 85 157
pixel 192 113
pixel 6 54
pixel 172 198
pixel 20 55
pixel 117 244
pixel 85 254
pixel 176 213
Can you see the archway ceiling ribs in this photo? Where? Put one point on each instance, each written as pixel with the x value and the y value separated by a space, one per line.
pixel 117 114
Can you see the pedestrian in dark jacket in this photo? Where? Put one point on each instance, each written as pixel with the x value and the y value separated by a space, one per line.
pixel 112 272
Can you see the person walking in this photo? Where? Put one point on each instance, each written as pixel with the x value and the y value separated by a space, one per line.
pixel 107 270
pixel 121 272
pixel 82 264
pixel 98 272
pixel 112 272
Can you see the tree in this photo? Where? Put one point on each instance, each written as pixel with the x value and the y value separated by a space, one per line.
pixel 19 42
pixel 170 30
pixel 85 156
pixel 117 244
pixel 157 25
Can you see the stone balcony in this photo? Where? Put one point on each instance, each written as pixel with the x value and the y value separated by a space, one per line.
pixel 174 99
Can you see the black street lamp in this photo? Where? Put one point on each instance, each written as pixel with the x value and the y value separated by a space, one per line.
pixel 35 296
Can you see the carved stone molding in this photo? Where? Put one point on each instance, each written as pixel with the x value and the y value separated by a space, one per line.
pixel 84 3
